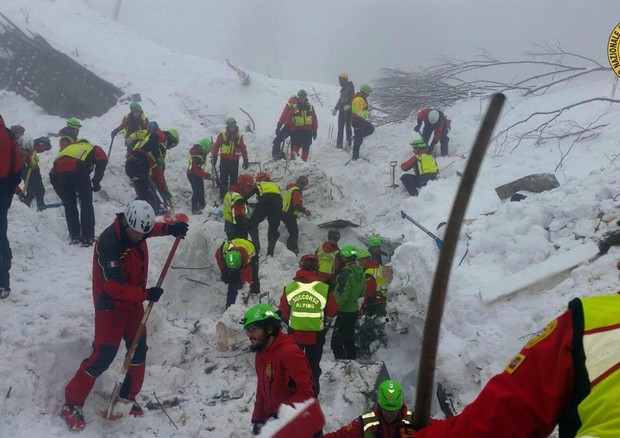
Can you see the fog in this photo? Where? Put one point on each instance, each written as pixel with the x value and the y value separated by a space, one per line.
pixel 315 40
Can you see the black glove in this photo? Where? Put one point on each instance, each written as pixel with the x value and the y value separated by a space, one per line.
pixel 178 229
pixel 417 128
pixel 114 132
pixel 314 135
pixel 154 293
pixel 96 186
pixel 256 427
pixel 245 164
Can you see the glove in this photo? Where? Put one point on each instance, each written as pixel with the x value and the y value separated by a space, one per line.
pixel 114 132
pixel 313 135
pixel 406 431
pixel 178 229
pixel 154 293
pixel 417 128
pixel 346 107
pixel 245 164
pixel 256 427
pixel 96 186
pixel 334 111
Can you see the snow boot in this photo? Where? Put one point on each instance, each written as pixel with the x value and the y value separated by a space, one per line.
pixel 136 410
pixel 4 293
pixel 73 417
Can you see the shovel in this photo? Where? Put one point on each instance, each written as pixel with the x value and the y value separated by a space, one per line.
pixel 438 241
pixel 110 411
pixel 393 172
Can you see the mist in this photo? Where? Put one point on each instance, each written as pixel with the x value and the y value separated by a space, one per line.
pixel 314 41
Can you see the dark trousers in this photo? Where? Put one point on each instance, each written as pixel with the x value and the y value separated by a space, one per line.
pixel 234 282
pixel 74 185
pixel 290 222
pixel 301 140
pixel 361 129
pixel 277 149
pixel 229 170
pixel 234 231
pixel 343 338
pixel 6 197
pixel 344 121
pixel 443 141
pixel 269 206
pixel 414 182
pixel 198 192
pixel 314 353
pixel 137 168
pixel 35 189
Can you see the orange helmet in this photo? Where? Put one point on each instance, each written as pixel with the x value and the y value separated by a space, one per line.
pixel 263 176
pixel 246 181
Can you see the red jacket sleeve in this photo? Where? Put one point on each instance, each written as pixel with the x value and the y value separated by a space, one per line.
pixel 525 400
pixel 422 115
pixel 285 307
pixel 217 145
pixel 286 117
pixel 439 130
pixel 352 430
pixel 407 165
pixel 244 151
pixel 332 305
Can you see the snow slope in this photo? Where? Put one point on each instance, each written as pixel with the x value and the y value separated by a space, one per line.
pixel 46 325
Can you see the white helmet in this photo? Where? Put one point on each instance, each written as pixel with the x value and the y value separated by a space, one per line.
pixel 433 116
pixel 140 216
pixel 25 143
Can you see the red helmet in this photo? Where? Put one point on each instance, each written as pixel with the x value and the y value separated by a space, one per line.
pixel 246 181
pixel 309 262
pixel 333 235
pixel 263 176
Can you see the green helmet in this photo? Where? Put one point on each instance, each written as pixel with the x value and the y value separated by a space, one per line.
pixel 206 144
pixel 348 251
pixel 259 312
pixel 419 144
pixel 302 93
pixel 374 241
pixel 74 123
pixel 231 121
pixel 362 254
pixel 174 134
pixel 390 395
pixel 365 88
pixel 135 106
pixel 232 259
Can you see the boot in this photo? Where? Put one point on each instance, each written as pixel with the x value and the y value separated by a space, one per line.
pixel 136 410
pixel 73 417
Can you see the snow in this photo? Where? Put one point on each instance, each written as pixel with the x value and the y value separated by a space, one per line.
pixel 46 325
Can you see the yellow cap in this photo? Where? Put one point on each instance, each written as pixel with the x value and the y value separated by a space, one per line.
pixel 343 76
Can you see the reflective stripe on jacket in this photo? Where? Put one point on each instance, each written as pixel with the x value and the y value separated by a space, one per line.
pixel 307 302
pixel 427 164
pixel 327 260
pixel 229 145
pixel 597 367
pixel 240 243
pixel 371 424
pixel 79 151
pixel 303 117
pixel 287 202
pixel 265 187
pixel 230 199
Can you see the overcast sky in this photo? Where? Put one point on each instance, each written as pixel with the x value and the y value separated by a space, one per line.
pixel 315 40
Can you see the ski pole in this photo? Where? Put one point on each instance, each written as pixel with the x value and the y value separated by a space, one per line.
pixel 432 324
pixel 438 241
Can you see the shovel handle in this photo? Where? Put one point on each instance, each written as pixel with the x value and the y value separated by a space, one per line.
pixel 147 311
